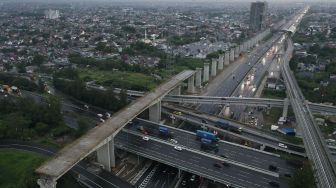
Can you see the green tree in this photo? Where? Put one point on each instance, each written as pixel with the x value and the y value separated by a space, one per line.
pixel 38 60
pixel 83 125
pixel 41 128
pixel 123 98
pixel 304 177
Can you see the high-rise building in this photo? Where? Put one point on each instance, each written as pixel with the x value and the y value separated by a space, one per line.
pixel 258 15
pixel 51 14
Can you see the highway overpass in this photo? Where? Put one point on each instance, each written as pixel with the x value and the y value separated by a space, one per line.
pixel 262 102
pixel 101 138
pixel 317 151
pixel 249 134
pixel 192 162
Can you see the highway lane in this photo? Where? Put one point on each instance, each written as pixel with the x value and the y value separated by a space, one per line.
pixel 231 83
pixel 234 152
pixel 193 162
pixel 253 135
pixel 104 179
pixel 163 177
pixel 248 87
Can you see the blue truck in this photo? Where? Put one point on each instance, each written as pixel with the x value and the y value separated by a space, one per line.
pixel 228 126
pixel 164 132
pixel 207 144
pixel 207 135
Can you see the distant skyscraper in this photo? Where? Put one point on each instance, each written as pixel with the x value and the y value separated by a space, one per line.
pixel 51 14
pixel 258 15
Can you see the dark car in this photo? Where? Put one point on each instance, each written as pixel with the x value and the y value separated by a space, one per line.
pixel 217 165
pixel 204 121
pixel 274 184
pixel 225 164
pixel 184 183
pixel 272 168
pixel 288 175
pixel 223 156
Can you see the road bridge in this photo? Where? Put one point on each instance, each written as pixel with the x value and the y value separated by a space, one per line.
pixel 244 101
pixel 317 151
pixel 101 138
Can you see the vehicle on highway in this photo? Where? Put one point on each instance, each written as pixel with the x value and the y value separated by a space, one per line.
pixel 228 126
pixel 217 165
pixel 224 156
pixel 204 121
pixel 173 141
pixel 142 130
pixel 146 138
pixel 282 145
pixel 206 135
pixel 184 183
pixel 177 113
pixel 288 175
pixel 207 144
pixel 272 168
pixel 225 164
pixel 178 148
pixel 193 177
pixel 164 132
pixel 274 184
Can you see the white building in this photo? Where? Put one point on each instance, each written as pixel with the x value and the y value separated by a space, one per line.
pixel 51 14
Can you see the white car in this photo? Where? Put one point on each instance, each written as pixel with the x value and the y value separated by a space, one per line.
pixel 173 141
pixel 282 145
pixel 102 120
pixel 108 115
pixel 145 138
pixel 100 115
pixel 178 148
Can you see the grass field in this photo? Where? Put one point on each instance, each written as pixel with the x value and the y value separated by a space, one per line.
pixel 127 80
pixel 17 170
pixel 17 167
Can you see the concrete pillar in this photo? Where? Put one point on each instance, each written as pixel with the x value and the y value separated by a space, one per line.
pixel 46 182
pixel 179 174
pixel 155 112
pixel 176 91
pixel 232 55
pixel 214 67
pixel 191 84
pixel 241 47
pixel 221 62
pixel 206 72
pixel 112 154
pixel 285 108
pixel 105 155
pixel 198 82
pixel 227 58
pixel 249 44
pixel 237 51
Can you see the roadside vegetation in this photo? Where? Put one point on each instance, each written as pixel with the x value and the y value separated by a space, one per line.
pixel 77 88
pixel 273 94
pixel 17 170
pixel 303 177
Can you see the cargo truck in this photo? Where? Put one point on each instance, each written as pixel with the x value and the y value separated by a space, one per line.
pixel 207 144
pixel 228 126
pixel 164 132
pixel 207 135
